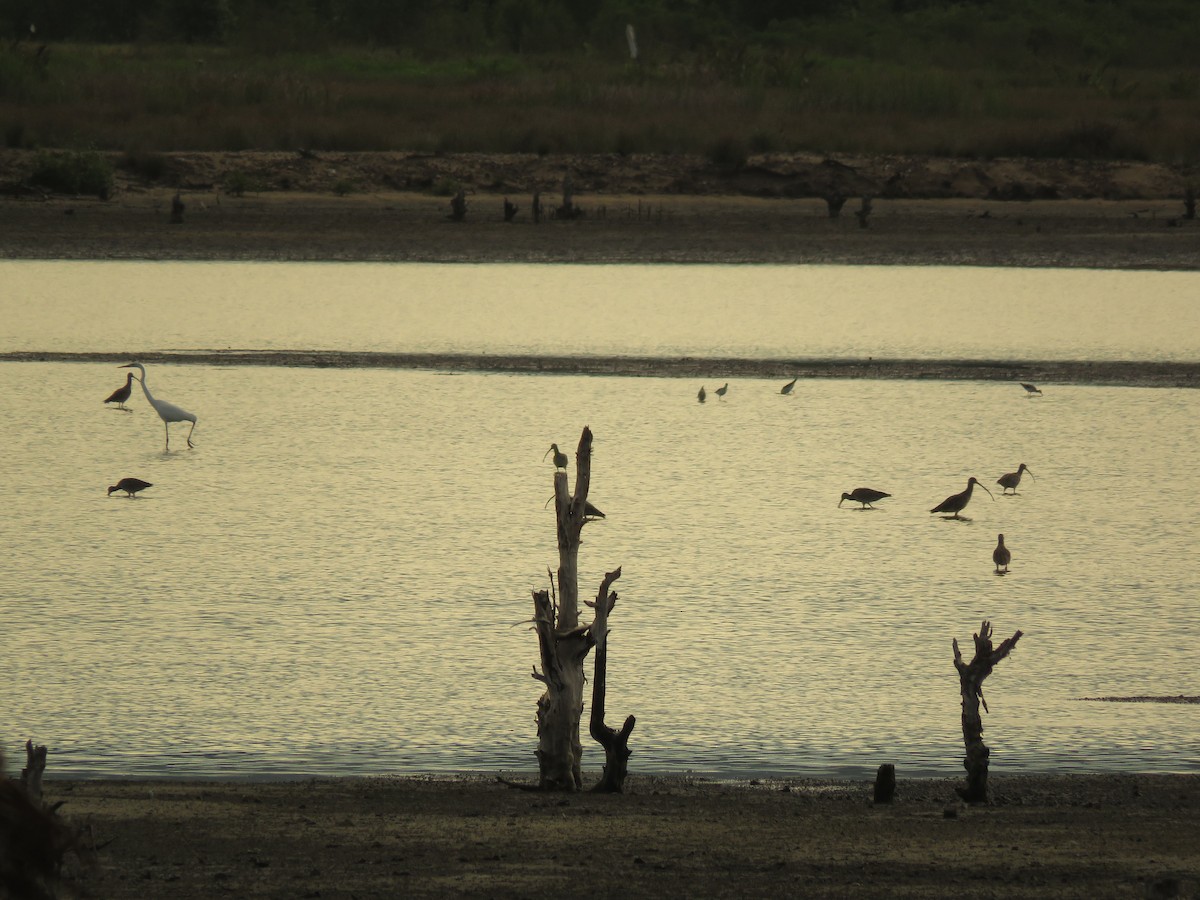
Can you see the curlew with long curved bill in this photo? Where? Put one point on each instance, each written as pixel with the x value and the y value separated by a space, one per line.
pixel 1012 479
pixel 1001 556
pixel 167 411
pixel 1031 389
pixel 956 503
pixel 130 486
pixel 701 395
pixel 722 391
pixel 121 394
pixel 560 458
pixel 865 496
pixel 787 388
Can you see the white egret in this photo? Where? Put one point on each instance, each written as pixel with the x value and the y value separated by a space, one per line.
pixel 168 412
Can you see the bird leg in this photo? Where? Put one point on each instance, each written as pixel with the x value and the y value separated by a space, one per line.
pixel 189 437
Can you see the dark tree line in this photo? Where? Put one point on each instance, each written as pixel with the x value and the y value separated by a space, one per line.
pixel 467 26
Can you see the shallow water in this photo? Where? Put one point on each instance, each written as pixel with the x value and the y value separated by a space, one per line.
pixel 743 311
pixel 336 580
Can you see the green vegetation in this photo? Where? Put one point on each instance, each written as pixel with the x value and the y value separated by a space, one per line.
pixel 1100 79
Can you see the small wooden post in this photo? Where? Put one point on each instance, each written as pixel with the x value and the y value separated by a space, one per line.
pixel 458 206
pixel 863 212
pixel 885 783
pixel 1189 202
pixel 510 210
pixel 970 678
pixel 536 207
pixel 177 208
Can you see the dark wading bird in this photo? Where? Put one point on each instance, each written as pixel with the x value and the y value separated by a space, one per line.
pixel 1001 556
pixel 560 458
pixel 787 388
pixel 955 503
pixel 121 394
pixel 168 412
pixel 865 496
pixel 130 486
pixel 589 511
pixel 722 390
pixel 1012 479
pixel 701 396
pixel 1031 389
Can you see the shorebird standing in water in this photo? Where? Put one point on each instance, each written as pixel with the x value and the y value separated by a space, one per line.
pixel 722 390
pixel 1001 556
pixel 865 496
pixel 787 388
pixel 701 395
pixel 1012 479
pixel 956 503
pixel 1031 389
pixel 121 394
pixel 130 486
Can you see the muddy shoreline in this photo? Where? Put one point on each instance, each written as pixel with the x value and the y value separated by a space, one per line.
pixel 1107 373
pixel 1077 836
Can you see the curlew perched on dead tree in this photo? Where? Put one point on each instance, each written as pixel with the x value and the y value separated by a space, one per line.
pixel 564 644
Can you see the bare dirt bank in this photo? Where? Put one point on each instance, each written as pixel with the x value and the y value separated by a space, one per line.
pixel 652 209
pixel 1048 837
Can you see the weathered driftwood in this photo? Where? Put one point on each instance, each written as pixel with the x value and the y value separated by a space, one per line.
pixel 614 742
pixel 34 841
pixel 563 643
pixel 970 677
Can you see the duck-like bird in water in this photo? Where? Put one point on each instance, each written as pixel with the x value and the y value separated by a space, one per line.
pixel 865 496
pixel 956 503
pixel 1001 556
pixel 1012 479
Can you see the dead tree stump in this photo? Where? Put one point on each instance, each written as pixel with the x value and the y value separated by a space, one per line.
pixel 970 678
pixel 31 775
pixel 563 643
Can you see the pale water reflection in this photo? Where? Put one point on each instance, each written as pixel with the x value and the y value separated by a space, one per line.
pixel 748 311
pixel 335 580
